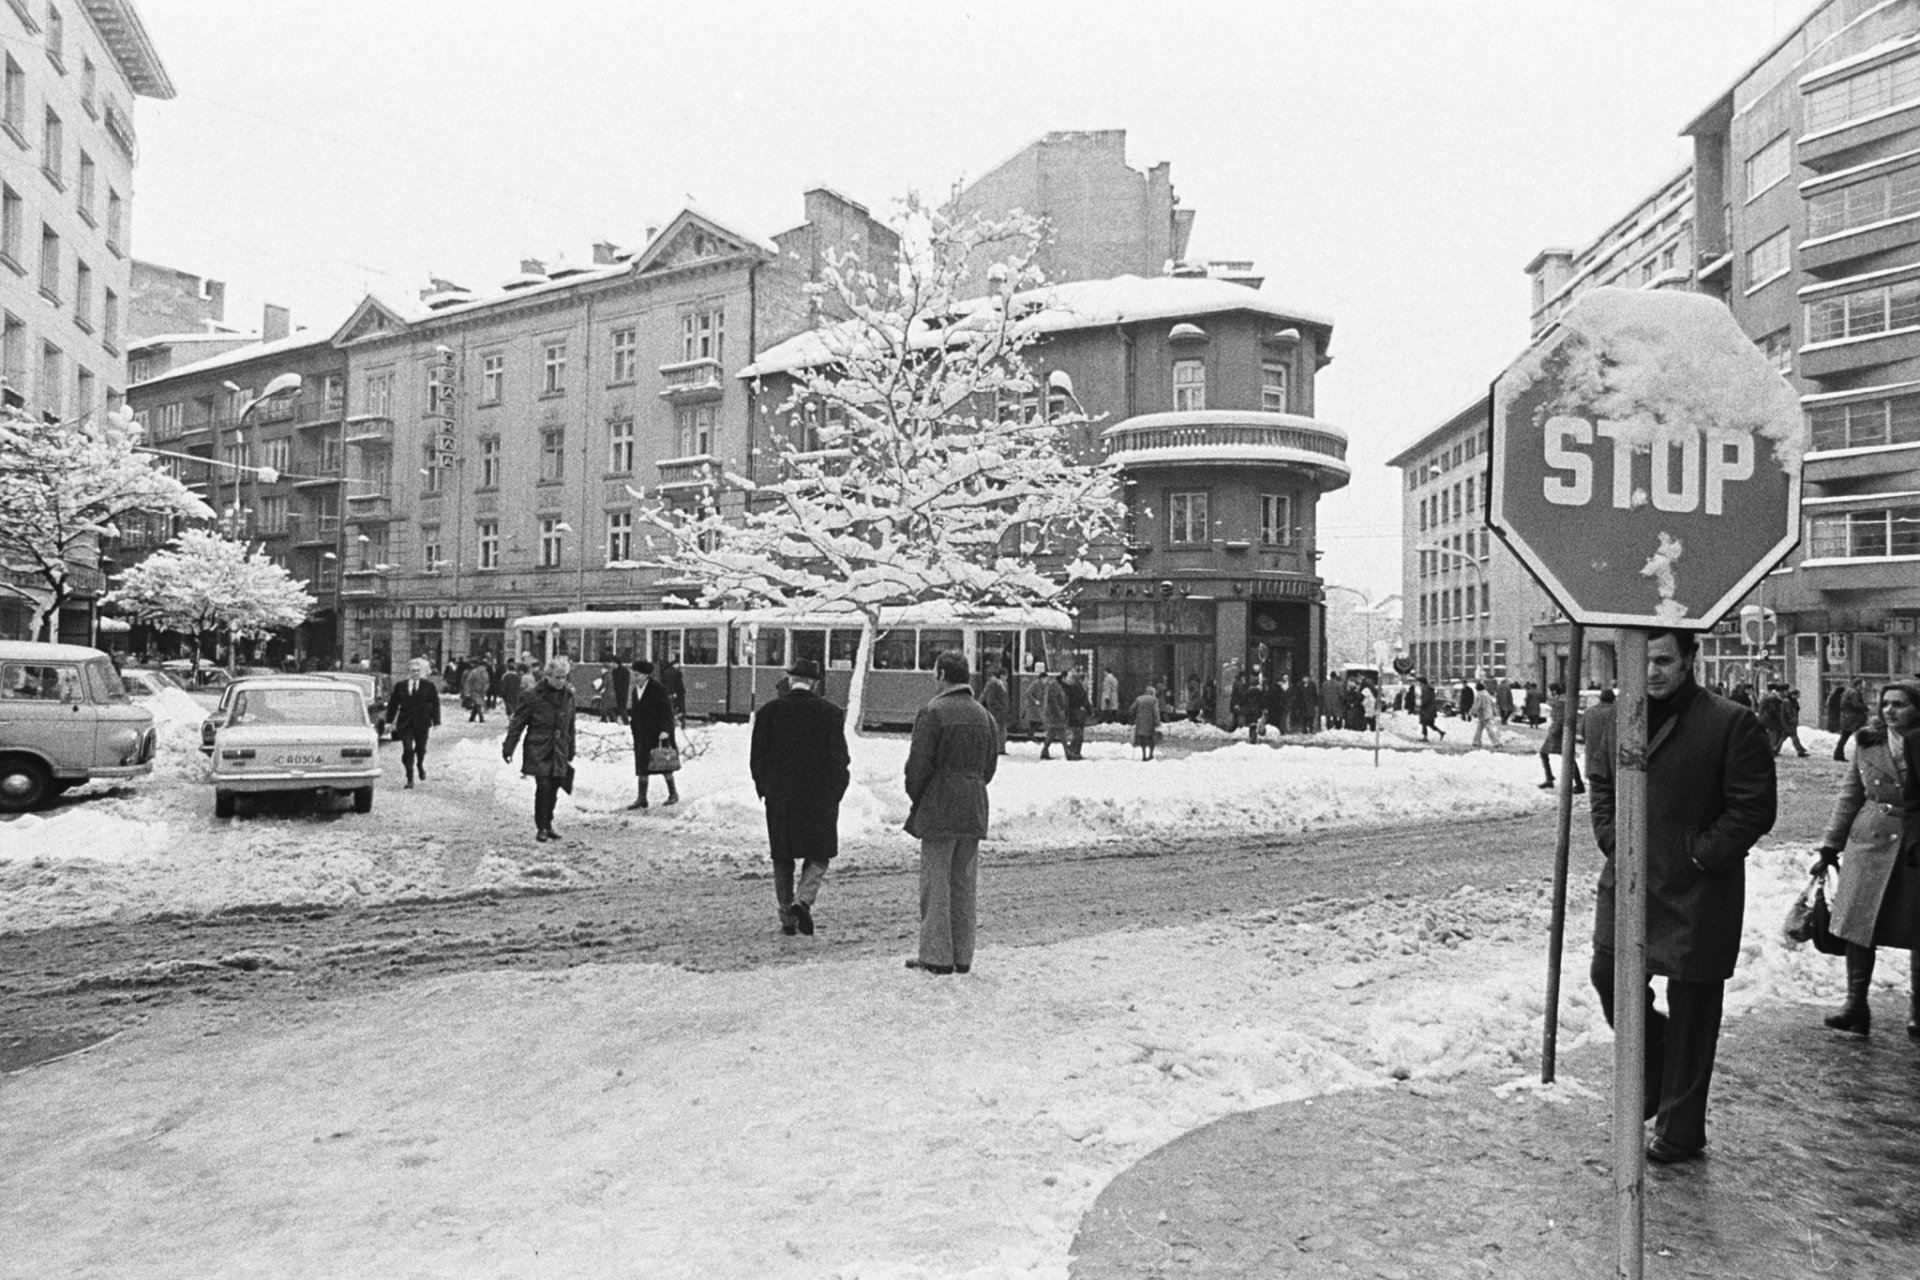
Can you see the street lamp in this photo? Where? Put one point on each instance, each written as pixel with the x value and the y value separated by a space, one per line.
pixel 1483 606
pixel 282 385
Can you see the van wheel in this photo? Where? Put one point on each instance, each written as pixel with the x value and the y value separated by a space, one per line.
pixel 25 783
pixel 223 804
pixel 363 800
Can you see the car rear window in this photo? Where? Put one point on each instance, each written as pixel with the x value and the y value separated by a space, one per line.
pixel 298 706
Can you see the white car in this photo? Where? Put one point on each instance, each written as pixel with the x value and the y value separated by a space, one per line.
pixel 293 734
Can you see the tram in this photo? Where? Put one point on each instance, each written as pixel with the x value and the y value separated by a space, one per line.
pixel 731 660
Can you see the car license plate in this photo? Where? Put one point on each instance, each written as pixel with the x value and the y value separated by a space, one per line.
pixel 299 758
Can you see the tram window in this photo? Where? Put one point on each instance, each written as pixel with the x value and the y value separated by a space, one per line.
pixel 770 648
pixel 666 646
pixel 809 644
pixel 934 642
pixel 894 650
pixel 843 647
pixel 1047 651
pixel 702 647
pixel 570 644
pixel 599 646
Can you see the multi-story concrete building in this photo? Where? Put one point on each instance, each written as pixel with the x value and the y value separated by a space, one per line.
pixel 1801 210
pixel 69 73
pixel 1203 392
pixel 166 300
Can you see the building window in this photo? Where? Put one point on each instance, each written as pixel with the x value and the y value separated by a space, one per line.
pixel 1868 311
pixel 84 392
pixel 277 454
pixel 116 216
pixel 89 82
pixel 620 445
pixel 489 557
pixel 1872 534
pixel 85 187
pixel 13 114
pixel 1187 520
pixel 50 379
pixel 52 148
pixel 626 355
pixel 1276 519
pixel 493 377
pixel 1866 423
pixel 379 397
pixel 1189 385
pixel 12 216
pixel 695 423
pixel 490 463
pixel 553 369
pixel 703 335
pixel 431 558
pixel 83 295
pixel 110 320
pixel 1767 261
pixel 272 515
pixel 56 38
pixel 1273 387
pixel 1777 347
pixel 1769 164
pixel 1868 93
pixel 50 262
pixel 619 535
pixel 433 475
pixel 552 455
pixel 1861 204
pixel 550 532
pixel 333 392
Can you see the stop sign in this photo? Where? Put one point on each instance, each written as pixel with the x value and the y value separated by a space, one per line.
pixel 1646 460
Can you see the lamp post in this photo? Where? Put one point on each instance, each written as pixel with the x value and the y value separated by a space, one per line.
pixel 281 385
pixel 1483 607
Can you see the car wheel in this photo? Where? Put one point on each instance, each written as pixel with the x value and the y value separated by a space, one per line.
pixel 363 800
pixel 223 804
pixel 24 784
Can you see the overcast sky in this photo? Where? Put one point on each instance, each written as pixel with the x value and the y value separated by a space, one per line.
pixel 1394 163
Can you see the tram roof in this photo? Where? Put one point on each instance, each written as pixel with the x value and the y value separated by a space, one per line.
pixel 931 614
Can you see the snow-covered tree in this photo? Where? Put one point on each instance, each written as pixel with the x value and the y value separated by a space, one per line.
pixel 66 486
pixel 210 585
pixel 929 465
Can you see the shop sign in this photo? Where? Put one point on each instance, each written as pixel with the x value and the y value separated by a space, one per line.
pixel 432 612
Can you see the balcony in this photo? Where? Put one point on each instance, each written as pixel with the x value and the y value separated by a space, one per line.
pixel 369 429
pixel 691 381
pixel 1230 437
pixel 363 582
pixel 316 530
pixel 697 471
pixel 370 508
pixel 1857 249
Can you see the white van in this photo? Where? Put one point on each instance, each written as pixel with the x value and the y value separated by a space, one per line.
pixel 65 719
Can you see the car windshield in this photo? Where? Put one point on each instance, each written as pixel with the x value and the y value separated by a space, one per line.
pixel 298 706
pixel 106 681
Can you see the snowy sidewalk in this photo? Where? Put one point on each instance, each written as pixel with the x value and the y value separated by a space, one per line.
pixel 1810 1139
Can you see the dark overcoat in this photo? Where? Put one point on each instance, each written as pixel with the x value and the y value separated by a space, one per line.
pixel 406 715
pixel 512 682
pixel 545 715
pixel 621 678
pixel 954 753
pixel 1866 823
pixel 651 719
pixel 1710 796
pixel 800 768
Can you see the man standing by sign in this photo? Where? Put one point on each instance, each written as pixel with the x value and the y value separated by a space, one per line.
pixel 1710 796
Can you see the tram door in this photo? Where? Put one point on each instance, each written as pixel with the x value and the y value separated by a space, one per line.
pixel 998 650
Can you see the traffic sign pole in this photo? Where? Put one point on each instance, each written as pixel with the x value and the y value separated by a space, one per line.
pixel 1557 931
pixel 1630 955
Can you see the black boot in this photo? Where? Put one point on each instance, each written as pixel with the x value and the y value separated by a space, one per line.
pixel 1853 1015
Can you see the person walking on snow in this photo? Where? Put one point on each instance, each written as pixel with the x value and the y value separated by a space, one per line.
pixel 1483 717
pixel 1550 745
pixel 413 710
pixel 800 768
pixel 949 764
pixel 1109 697
pixel 1053 714
pixel 993 696
pixel 1146 721
pixel 473 692
pixel 1429 704
pixel 545 716
pixel 650 718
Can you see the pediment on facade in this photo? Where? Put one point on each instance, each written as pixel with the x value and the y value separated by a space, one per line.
pixel 693 238
pixel 371 319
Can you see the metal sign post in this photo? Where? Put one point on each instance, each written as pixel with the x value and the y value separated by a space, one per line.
pixel 1557 931
pixel 1630 955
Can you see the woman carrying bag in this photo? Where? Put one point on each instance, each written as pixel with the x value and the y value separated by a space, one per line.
pixel 650 715
pixel 1877 901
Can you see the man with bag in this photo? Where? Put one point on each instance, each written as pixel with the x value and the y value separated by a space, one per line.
pixel 800 770
pixel 650 716
pixel 545 715
pixel 1710 797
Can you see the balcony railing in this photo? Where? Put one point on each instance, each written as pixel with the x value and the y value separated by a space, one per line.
pixel 315 530
pixel 1205 436
pixel 363 582
pixel 694 472
pixel 370 506
pixel 369 428
pixel 692 380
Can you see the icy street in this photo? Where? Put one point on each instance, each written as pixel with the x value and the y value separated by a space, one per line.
pixel 419 1044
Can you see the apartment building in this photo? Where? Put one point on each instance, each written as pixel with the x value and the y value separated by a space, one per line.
pixel 70 71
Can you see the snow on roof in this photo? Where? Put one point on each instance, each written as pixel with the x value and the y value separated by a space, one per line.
pixel 1865 55
pixel 242 355
pixel 180 339
pixel 1059 308
pixel 757 241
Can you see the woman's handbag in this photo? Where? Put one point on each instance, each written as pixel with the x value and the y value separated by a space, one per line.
pixel 664 758
pixel 1810 920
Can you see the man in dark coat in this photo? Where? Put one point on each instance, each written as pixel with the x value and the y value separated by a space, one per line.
pixel 675 683
pixel 513 681
pixel 994 697
pixel 413 708
pixel 949 765
pixel 650 716
pixel 1429 710
pixel 545 715
pixel 1710 796
pixel 800 769
pixel 1853 717
pixel 621 677
pixel 1079 711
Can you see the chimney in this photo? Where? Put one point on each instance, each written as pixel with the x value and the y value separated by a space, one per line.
pixel 532 267
pixel 216 295
pixel 605 253
pixel 275 323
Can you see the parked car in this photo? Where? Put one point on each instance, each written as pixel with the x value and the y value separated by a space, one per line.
pixel 148 682
pixel 218 715
pixel 293 733
pixel 208 676
pixel 65 718
pixel 374 688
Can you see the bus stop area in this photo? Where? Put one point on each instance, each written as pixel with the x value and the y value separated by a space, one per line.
pixel 1812 1147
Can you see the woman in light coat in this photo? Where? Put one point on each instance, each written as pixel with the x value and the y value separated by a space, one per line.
pixel 1877 902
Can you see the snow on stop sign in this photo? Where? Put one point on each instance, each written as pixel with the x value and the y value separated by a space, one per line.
pixel 1646 460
